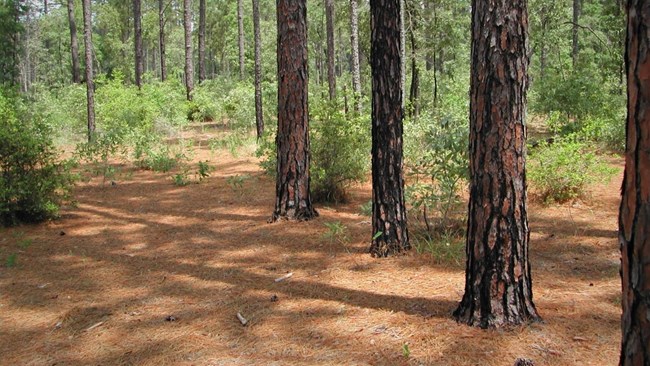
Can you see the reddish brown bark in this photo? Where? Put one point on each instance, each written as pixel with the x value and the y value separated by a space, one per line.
pixel 634 218
pixel 498 288
pixel 390 234
pixel 293 200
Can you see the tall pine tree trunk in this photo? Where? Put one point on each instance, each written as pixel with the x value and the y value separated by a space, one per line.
pixel 331 73
pixel 201 41
pixel 189 66
pixel 259 116
pixel 354 40
pixel 90 87
pixel 634 218
pixel 390 234
pixel 74 45
pixel 240 31
pixel 498 287
pixel 576 17
pixel 137 28
pixel 161 39
pixel 293 200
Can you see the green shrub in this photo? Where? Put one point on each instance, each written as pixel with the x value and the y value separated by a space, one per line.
pixel 561 171
pixel 437 163
pixel 340 149
pixel 33 181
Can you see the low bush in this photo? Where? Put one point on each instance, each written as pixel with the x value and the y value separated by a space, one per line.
pixel 561 171
pixel 33 180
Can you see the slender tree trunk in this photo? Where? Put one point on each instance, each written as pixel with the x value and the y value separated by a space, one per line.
pixel 45 7
pixel 354 40
pixel 189 67
pixel 74 46
pixel 240 25
pixel 498 287
pixel 634 218
pixel 390 234
pixel 161 39
pixel 293 200
pixel 137 33
pixel 90 87
pixel 259 116
pixel 542 52
pixel 329 29
pixel 576 17
pixel 201 41
pixel 415 71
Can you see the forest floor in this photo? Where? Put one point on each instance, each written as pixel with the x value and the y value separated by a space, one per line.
pixel 144 272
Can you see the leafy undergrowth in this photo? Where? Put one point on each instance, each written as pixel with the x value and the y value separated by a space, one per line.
pixel 145 272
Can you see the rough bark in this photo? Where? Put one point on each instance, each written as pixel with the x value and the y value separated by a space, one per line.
pixel 161 39
pixel 189 67
pixel 293 200
pixel 74 45
pixel 331 73
pixel 90 87
pixel 259 116
pixel 414 92
pixel 402 42
pixel 390 235
pixel 498 287
pixel 201 41
pixel 576 17
pixel 634 218
pixel 354 40
pixel 240 26
pixel 137 33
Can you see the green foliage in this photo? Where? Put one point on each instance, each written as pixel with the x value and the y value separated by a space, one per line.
pixel 437 162
pixel 222 100
pixel 445 247
pixel 11 29
pixel 33 181
pixel 406 352
pixel 11 260
pixel 561 171
pixel 366 208
pixel 340 149
pixel 336 232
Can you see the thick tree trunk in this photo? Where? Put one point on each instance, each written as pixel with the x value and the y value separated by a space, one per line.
pixel 634 218
pixel 189 66
pixel 161 39
pixel 201 41
pixel 331 73
pixel 498 287
pixel 259 116
pixel 90 87
pixel 74 45
pixel 137 28
pixel 293 200
pixel 390 234
pixel 354 40
pixel 240 26
pixel 576 17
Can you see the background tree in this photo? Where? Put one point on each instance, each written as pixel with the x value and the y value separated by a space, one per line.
pixel 292 188
pixel 90 85
pixel 634 218
pixel 498 286
pixel 137 33
pixel 390 234
pixel 331 74
pixel 161 39
pixel 240 28
pixel 354 40
pixel 189 64
pixel 201 41
pixel 74 46
pixel 259 116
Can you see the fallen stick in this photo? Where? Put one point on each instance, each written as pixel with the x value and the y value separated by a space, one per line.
pixel 94 326
pixel 241 318
pixel 280 279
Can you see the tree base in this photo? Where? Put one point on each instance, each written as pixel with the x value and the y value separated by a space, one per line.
pixel 294 215
pixel 382 249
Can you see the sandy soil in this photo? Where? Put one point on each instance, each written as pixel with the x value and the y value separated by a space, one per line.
pixel 147 273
